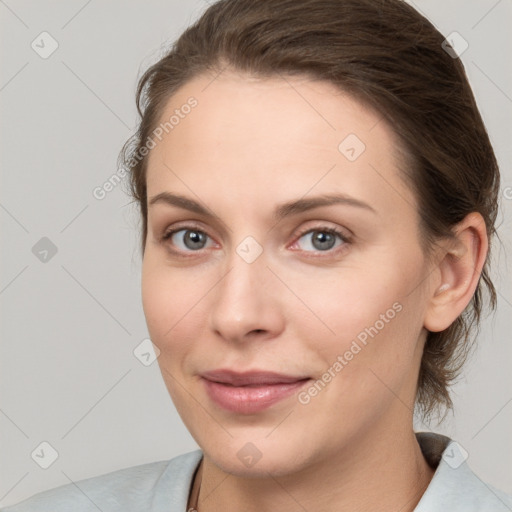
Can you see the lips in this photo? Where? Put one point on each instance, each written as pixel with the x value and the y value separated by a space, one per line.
pixel 250 392
pixel 250 378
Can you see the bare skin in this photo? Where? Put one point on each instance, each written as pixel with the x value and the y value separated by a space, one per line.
pixel 247 147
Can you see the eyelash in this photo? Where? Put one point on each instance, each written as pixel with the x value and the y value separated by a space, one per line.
pixel 322 229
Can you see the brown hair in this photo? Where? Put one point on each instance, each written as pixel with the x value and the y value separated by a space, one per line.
pixel 388 56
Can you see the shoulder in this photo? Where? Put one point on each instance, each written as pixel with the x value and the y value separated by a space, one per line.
pixel 455 486
pixel 134 488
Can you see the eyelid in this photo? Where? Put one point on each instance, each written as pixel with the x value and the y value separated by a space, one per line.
pixel 345 238
pixel 344 233
pixel 186 226
pixel 192 226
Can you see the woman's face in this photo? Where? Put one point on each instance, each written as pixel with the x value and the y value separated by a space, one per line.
pixel 260 276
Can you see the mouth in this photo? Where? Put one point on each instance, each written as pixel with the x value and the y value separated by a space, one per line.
pixel 250 392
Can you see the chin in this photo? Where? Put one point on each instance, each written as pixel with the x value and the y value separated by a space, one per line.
pixel 251 457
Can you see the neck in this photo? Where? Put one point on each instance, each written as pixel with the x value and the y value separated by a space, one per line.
pixel 383 472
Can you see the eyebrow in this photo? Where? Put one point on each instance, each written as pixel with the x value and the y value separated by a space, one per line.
pixel 283 210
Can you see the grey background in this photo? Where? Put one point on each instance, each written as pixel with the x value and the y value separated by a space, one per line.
pixel 69 326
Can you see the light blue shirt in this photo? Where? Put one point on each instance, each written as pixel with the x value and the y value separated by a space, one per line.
pixel 164 486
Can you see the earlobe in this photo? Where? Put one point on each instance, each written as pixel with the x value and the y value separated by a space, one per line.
pixel 458 273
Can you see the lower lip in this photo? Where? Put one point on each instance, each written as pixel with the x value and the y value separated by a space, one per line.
pixel 250 399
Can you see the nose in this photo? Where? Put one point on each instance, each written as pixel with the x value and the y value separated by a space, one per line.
pixel 247 302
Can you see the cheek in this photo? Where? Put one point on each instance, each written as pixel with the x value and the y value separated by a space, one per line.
pixel 368 318
pixel 345 303
pixel 176 304
pixel 170 303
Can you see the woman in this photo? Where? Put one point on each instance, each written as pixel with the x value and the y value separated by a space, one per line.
pixel 318 195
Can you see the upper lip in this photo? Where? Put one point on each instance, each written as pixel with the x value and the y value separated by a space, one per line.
pixel 250 377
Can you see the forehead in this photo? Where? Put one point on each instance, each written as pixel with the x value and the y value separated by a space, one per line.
pixel 293 107
pixel 279 134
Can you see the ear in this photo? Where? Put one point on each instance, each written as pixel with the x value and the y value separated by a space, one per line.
pixel 458 273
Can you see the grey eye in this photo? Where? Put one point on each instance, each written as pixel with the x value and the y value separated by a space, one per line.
pixel 191 239
pixel 321 240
